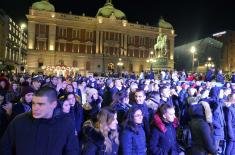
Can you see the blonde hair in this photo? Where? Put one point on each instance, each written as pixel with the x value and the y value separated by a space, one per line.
pixel 105 118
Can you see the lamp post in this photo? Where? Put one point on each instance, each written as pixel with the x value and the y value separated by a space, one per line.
pixel 22 27
pixel 193 50
pixel 119 64
pixel 209 63
pixel 151 60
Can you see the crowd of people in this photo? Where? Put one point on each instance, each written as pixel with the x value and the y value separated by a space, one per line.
pixel 171 113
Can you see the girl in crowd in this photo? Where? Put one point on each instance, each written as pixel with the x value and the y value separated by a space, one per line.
pixel 66 106
pixel 101 137
pixel 121 105
pixel 133 138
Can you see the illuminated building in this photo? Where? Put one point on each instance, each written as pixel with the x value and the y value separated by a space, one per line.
pixel 13 45
pixel 227 57
pixel 84 44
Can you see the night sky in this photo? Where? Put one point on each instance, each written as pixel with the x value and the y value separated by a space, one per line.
pixel 191 19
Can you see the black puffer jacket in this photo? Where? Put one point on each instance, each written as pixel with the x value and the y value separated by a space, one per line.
pixel 202 136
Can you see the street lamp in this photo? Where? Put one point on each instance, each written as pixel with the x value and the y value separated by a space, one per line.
pixel 151 60
pixel 120 64
pixel 209 63
pixel 193 50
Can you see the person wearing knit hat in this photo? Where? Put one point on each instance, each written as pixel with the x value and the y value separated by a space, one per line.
pixel 25 104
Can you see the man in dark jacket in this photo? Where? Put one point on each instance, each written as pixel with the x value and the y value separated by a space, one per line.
pixel 42 131
pixel 230 121
pixel 220 77
pixel 233 77
pixel 210 75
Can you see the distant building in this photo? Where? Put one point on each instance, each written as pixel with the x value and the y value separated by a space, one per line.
pixel 13 45
pixel 206 48
pixel 61 43
pixel 227 58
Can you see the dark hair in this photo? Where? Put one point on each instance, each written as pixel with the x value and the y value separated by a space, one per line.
pixel 140 90
pixel 129 122
pixel 163 109
pixel 162 88
pixel 48 92
pixel 119 96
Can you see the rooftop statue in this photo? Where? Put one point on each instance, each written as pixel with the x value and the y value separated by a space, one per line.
pixel 164 24
pixel 43 5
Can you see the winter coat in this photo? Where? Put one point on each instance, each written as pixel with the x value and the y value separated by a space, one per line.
pixel 143 107
pixel 220 78
pixel 133 143
pixel 107 96
pixel 76 114
pixel 121 110
pixel 218 114
pixel 20 108
pixel 230 121
pixel 27 135
pixel 209 76
pixel 202 135
pixel 233 78
pixel 163 138
pixel 4 121
pixel 94 142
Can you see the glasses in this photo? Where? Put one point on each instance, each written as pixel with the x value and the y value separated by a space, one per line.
pixel 138 115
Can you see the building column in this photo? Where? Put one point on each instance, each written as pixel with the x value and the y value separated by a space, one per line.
pixel 97 42
pixel 125 44
pixel 101 42
pixel 122 44
pixel 51 37
pixel 31 35
pixel 172 52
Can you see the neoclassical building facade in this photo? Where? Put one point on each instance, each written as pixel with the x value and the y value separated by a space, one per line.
pixel 65 43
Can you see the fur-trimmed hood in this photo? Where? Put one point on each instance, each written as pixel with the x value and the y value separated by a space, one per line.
pixel 161 125
pixel 201 110
pixel 92 134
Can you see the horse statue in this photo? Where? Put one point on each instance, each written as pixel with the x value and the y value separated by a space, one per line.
pixel 161 44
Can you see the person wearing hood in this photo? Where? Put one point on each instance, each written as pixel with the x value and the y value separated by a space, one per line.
pixel 26 102
pixel 42 131
pixel 163 136
pixel 220 77
pixel 216 103
pixel 201 129
pixel 230 121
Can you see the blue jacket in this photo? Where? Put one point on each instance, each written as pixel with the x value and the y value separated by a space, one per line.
pixel 230 121
pixel 163 142
pixel 220 78
pixel 133 143
pixel 233 78
pixel 217 112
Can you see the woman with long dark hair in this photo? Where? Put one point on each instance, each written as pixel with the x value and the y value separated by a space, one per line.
pixel 133 139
